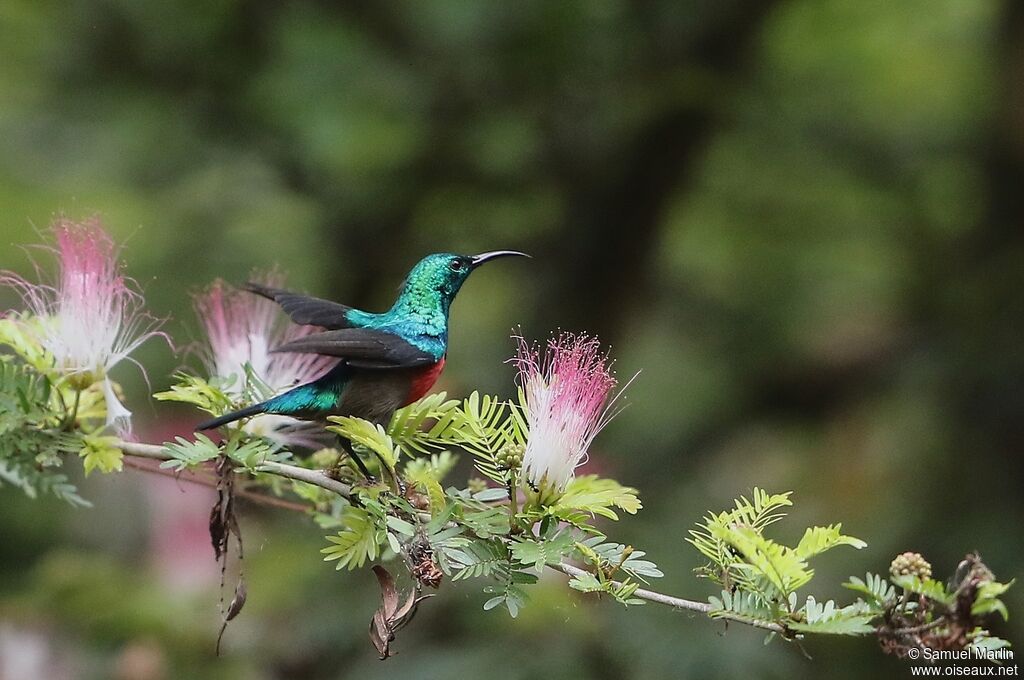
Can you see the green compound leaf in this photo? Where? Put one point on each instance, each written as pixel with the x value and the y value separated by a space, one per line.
pixel 930 588
pixel 592 495
pixel 878 591
pixel 426 425
pixel 817 540
pixel 540 553
pixel 100 453
pixel 185 453
pixel 364 433
pixel 358 542
pixel 479 558
pixel 196 391
pixel 987 599
pixel 484 426
pixel 827 618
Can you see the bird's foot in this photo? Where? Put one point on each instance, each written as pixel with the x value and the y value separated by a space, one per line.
pixel 343 473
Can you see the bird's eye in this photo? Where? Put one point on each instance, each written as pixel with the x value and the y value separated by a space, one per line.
pixel 456 265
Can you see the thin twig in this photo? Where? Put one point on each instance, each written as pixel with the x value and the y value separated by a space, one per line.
pixel 678 602
pixel 202 480
pixel 314 477
pixel 941 621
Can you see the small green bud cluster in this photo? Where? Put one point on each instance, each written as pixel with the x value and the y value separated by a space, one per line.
pixel 476 485
pixel 911 564
pixel 81 380
pixel 511 456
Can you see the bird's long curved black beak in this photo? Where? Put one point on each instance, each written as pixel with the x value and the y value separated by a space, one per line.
pixel 477 260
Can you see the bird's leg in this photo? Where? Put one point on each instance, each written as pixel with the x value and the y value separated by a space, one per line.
pixel 350 450
pixel 362 466
pixel 397 485
pixel 400 487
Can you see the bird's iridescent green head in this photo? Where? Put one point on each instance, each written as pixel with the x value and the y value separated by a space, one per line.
pixel 438 277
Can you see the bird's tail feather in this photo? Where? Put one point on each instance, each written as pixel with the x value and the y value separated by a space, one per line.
pixel 232 417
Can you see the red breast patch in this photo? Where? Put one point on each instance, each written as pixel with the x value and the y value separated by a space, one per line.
pixel 423 380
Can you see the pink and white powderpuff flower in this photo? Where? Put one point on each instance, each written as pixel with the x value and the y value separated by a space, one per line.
pixel 92 318
pixel 242 328
pixel 568 393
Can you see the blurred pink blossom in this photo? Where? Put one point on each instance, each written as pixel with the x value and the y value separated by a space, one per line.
pixel 92 319
pixel 242 328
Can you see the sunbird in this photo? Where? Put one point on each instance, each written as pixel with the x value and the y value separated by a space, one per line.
pixel 388 360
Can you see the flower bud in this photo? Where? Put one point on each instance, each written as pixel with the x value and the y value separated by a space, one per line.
pixel 911 564
pixel 510 457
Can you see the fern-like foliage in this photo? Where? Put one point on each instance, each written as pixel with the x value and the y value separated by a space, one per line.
pixel 876 589
pixel 478 558
pixel 208 396
pixel 591 495
pixel 617 569
pixel 550 548
pixel 19 334
pixel 610 558
pixel 373 438
pixel 100 453
pixel 510 592
pixel 484 426
pixel 987 599
pixel 829 619
pixel 925 587
pixel 426 425
pixel 621 591
pixel 360 540
pixel 761 577
pixel 33 441
pixel 740 555
pixel 483 520
pixel 817 540
pixel 744 605
pixel 185 453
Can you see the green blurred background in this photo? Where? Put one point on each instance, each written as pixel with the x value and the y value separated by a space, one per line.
pixel 801 218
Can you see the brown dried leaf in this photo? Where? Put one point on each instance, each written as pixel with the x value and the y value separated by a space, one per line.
pixel 381 635
pixel 389 617
pixel 410 603
pixel 388 593
pixel 238 601
pixel 218 529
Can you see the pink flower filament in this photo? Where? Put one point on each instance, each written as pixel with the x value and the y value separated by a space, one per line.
pixel 568 401
pixel 91 320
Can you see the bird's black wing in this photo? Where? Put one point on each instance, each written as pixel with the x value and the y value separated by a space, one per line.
pixel 362 348
pixel 303 309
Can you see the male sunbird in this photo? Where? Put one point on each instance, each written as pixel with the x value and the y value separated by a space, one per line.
pixel 388 360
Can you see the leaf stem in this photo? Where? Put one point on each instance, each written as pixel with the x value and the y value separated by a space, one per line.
pixel 680 603
pixel 314 477
pixel 513 501
pixel 72 415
